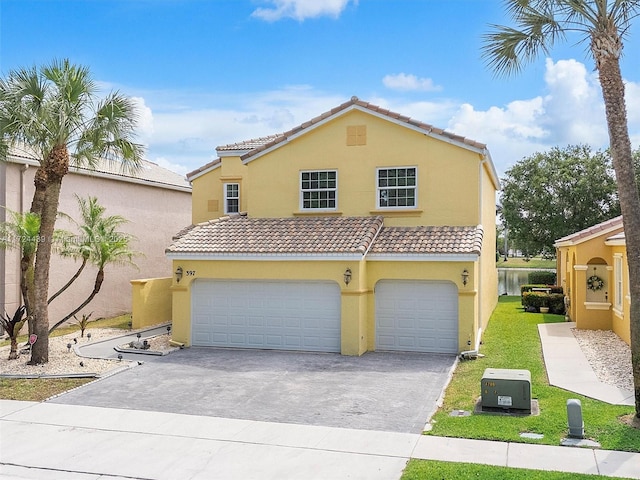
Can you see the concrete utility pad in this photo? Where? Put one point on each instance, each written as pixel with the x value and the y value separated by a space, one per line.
pixel 377 391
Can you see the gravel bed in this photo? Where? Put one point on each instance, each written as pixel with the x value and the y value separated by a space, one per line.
pixel 608 355
pixel 63 361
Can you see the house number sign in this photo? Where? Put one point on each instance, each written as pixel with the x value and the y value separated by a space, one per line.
pixel 191 273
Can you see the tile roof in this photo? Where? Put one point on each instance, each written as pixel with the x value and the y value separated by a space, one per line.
pixel 149 173
pixel 439 240
pixel 240 235
pixel 249 148
pixel 604 227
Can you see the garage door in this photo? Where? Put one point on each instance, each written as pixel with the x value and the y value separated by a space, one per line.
pixel 266 314
pixel 417 316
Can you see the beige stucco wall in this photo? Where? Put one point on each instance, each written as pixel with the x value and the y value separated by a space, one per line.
pixel 155 215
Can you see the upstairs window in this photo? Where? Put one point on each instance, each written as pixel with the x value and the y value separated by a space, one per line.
pixel 318 189
pixel 231 197
pixel 396 187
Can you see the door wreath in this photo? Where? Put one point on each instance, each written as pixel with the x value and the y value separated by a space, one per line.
pixel 595 283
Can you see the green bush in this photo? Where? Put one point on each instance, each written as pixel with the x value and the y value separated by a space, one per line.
pixel 542 277
pixel 535 300
pixel 556 303
pixel 530 287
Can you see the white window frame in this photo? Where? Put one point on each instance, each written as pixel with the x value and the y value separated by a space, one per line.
pixel 380 189
pixel 618 276
pixel 228 197
pixel 318 189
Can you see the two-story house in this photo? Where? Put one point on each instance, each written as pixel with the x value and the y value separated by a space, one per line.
pixel 359 230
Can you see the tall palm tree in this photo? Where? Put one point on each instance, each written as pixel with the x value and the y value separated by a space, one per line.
pixel 101 244
pixel 539 24
pixel 54 113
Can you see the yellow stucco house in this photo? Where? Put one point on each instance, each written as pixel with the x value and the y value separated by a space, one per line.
pixel 358 230
pixel 592 268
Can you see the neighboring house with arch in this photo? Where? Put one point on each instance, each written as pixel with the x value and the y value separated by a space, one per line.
pixel 359 230
pixel 155 201
pixel 592 268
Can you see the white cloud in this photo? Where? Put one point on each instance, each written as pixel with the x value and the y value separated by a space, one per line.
pixel 568 111
pixel 301 9
pixel 145 120
pixel 408 82
pixel 571 111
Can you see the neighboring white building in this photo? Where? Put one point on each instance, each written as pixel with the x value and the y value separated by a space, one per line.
pixel 157 203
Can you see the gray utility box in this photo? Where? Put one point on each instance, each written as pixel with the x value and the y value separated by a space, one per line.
pixel 506 389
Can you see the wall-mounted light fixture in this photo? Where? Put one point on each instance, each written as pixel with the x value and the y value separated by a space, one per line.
pixel 465 276
pixel 347 276
pixel 178 274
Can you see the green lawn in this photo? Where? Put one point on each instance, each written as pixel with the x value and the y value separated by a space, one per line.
pixel 428 470
pixel 511 341
pixel 519 262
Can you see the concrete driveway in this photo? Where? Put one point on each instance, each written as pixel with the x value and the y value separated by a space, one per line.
pixel 377 391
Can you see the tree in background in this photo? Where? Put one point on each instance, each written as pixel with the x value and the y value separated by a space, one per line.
pixel 549 195
pixel 53 114
pixel 604 25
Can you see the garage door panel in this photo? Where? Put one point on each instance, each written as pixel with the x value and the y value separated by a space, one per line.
pixel 417 316
pixel 266 314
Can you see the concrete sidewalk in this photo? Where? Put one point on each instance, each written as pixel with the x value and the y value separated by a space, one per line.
pixel 53 441
pixel 88 443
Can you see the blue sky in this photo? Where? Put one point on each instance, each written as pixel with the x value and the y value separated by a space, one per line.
pixel 211 72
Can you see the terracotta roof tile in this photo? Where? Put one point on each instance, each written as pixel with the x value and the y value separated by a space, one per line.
pixel 605 226
pixel 428 240
pixel 241 235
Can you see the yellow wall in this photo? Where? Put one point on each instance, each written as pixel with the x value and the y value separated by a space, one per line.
pixel 448 175
pixel 455 187
pixel 594 310
pixel 151 302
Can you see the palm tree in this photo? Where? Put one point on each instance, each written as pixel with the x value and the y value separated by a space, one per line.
pixel 54 114
pixel 539 24
pixel 101 244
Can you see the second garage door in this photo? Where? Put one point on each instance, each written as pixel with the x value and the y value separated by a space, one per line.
pixel 266 314
pixel 416 316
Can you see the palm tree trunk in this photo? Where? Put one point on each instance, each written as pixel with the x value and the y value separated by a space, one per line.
pixel 613 94
pixel 56 167
pixel 40 350
pixel 13 353
pixel 71 280
pixel 96 288
pixel 27 285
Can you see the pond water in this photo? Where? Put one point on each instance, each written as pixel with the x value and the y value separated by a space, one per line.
pixel 510 279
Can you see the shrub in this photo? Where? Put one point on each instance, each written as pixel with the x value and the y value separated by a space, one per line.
pixel 542 277
pixel 535 300
pixel 556 303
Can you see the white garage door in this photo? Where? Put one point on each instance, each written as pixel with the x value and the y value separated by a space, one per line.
pixel 266 314
pixel 417 316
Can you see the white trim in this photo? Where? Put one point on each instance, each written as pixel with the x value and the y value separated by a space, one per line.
pixel 205 171
pixel 397 207
pixel 233 153
pixel 227 198
pixel 301 198
pixel 434 257
pixel 616 242
pixel 580 268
